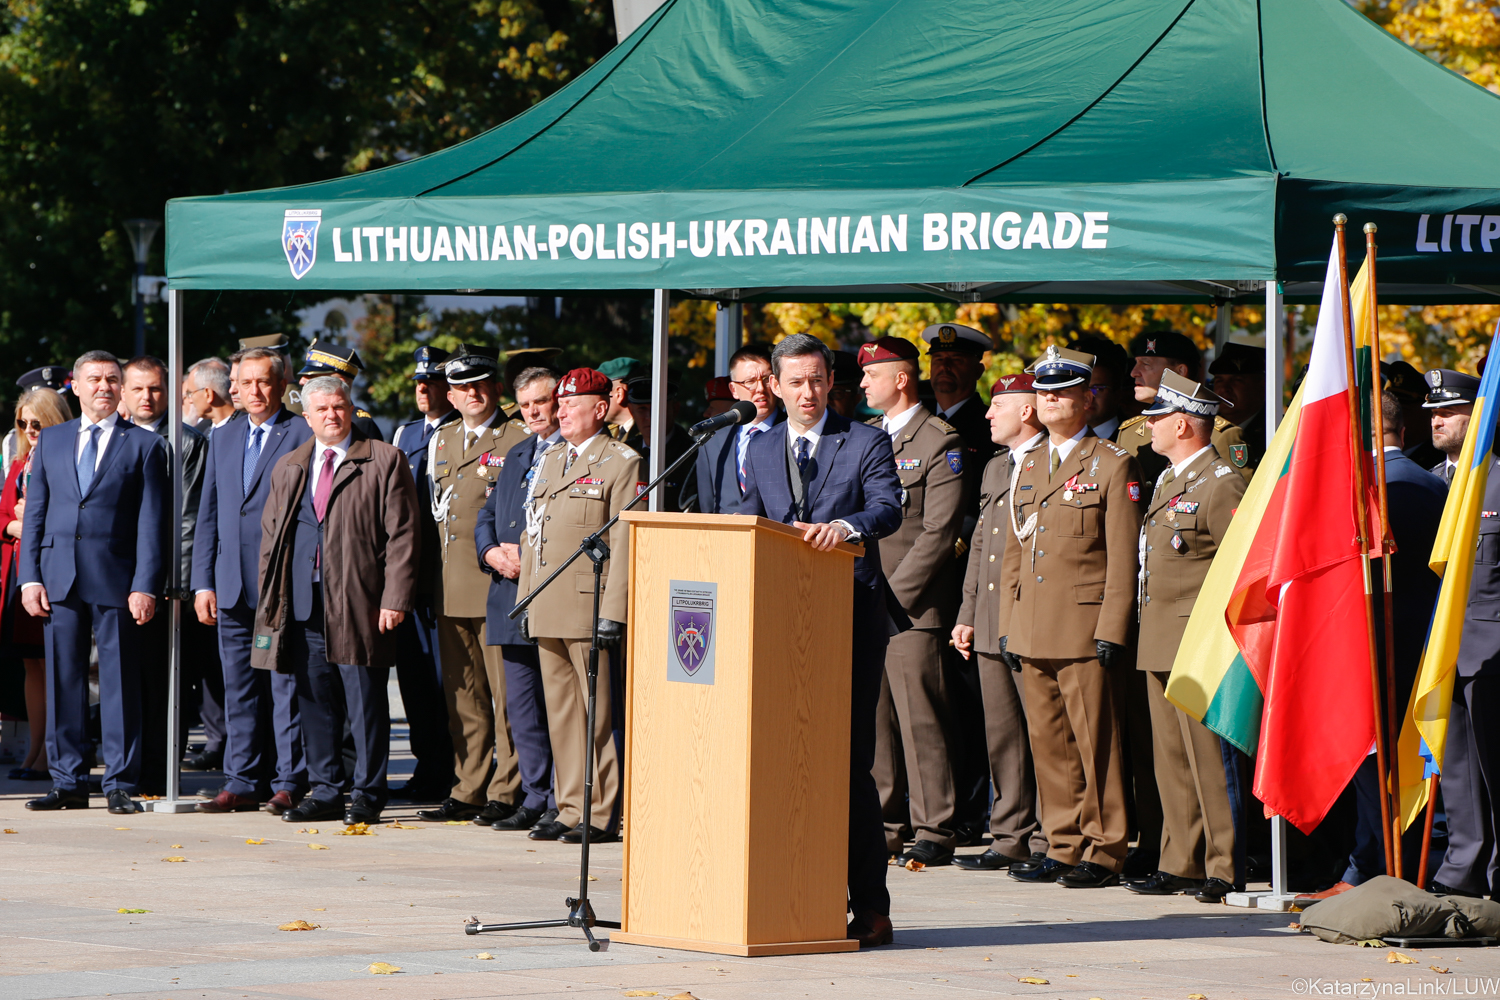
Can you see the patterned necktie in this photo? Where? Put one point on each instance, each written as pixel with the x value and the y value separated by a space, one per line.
pixel 804 455
pixel 750 433
pixel 88 460
pixel 325 485
pixel 252 456
pixel 572 454
pixel 1053 462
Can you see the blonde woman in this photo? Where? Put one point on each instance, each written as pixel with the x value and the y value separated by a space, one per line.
pixel 38 407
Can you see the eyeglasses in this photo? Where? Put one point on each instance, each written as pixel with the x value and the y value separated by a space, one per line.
pixel 750 384
pixel 21 425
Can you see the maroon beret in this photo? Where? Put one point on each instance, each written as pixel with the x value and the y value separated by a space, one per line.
pixel 887 349
pixel 583 382
pixel 717 388
pixel 1013 383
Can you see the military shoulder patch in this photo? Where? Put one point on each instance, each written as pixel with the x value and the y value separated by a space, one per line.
pixel 1134 489
pixel 955 457
pixel 1239 454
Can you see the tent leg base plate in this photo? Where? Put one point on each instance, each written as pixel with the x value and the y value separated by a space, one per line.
pixel 173 806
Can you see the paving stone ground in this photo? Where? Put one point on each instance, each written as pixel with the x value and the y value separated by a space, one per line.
pixel 402 897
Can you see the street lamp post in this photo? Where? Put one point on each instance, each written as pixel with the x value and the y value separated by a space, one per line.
pixel 142 232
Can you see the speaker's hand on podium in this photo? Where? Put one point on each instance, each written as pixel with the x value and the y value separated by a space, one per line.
pixel 610 633
pixel 822 537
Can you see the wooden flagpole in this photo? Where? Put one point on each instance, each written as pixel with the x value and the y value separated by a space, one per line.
pixel 1432 788
pixel 1381 757
pixel 1390 788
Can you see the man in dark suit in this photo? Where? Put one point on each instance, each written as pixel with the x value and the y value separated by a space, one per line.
pixel 720 462
pixel 837 480
pixel 497 540
pixel 338 568
pixel 93 562
pixel 263 745
pixel 417 670
pixel 145 394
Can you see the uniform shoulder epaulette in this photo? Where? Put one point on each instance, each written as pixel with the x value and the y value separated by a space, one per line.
pixel 1140 418
pixel 1220 423
pixel 874 421
pixel 624 449
pixel 942 425
pixel 1121 452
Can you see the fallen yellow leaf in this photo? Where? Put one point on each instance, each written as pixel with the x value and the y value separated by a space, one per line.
pixel 384 969
pixel 320 909
pixel 485 956
pixel 9 830
pixel 1197 996
pixel 1033 980
pixel 122 828
pixel 319 847
pixel 175 857
pixel 1072 975
pixel 298 925
pixel 255 840
pixel 456 822
pixel 988 959
pixel 641 993
pixel 398 825
pixel 176 847
pixel 914 866
pixel 356 830
pixel 1367 980
pixel 1437 968
pixel 1396 958
pixel 682 996
pixel 125 909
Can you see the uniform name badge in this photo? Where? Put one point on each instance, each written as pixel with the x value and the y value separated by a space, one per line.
pixel 692 609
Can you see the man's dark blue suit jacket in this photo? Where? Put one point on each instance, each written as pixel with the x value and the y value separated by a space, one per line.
pixel 501 520
pixel 852 478
pixel 717 471
pixel 226 552
pixel 110 542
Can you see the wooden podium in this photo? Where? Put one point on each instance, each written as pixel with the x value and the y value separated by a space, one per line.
pixel 737 737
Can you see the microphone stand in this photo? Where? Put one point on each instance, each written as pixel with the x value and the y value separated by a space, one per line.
pixel 580 911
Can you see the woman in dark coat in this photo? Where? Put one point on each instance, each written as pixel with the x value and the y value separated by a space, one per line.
pixel 22 634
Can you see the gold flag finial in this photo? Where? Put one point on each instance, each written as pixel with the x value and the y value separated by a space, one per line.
pixel 1341 219
pixel 1370 227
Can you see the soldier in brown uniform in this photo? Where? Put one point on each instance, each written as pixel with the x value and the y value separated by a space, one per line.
pixel 583 480
pixel 1169 350
pixel 1017 836
pixel 912 716
pixel 1195 497
pixel 1070 577
pixel 464 459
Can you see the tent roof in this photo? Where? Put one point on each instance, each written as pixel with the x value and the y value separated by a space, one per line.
pixel 1216 137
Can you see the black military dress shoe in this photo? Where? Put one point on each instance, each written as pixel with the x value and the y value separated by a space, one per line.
pixel 1164 884
pixel 1087 875
pixel 312 810
pixel 523 818
pixel 549 831
pixel 60 798
pixel 121 804
pixel 928 853
pixel 1140 863
pixel 1213 891
pixel 1435 887
pixel 989 861
pixel 493 812
pixel 206 760
pixel 1046 871
pixel 596 836
pixel 450 808
pixel 969 834
pixel 361 812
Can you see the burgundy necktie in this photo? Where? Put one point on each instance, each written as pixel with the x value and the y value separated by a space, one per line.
pixel 325 485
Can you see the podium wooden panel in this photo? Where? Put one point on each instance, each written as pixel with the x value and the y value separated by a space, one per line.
pixel 737 792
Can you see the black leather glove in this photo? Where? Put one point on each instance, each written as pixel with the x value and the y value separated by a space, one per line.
pixel 1009 659
pixel 526 627
pixel 1110 653
pixel 610 633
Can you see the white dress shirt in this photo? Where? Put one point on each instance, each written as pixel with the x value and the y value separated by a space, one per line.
pixel 1181 467
pixel 1066 448
pixel 895 425
pixel 746 432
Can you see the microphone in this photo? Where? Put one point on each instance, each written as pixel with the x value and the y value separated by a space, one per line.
pixel 740 413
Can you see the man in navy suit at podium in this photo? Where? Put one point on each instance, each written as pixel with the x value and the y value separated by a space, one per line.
pixel 93 561
pixel 837 480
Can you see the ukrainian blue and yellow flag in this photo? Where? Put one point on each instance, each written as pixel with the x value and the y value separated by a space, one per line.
pixel 1424 734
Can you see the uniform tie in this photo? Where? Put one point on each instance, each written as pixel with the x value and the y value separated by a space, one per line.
pixel 252 456
pixel 325 485
pixel 568 464
pixel 88 460
pixel 1053 462
pixel 1448 469
pixel 470 439
pixel 804 455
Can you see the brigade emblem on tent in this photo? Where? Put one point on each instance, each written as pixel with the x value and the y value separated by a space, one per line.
pixel 299 238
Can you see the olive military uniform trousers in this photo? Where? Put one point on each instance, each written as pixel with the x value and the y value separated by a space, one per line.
pixel 1013 822
pixel 1197 834
pixel 911 723
pixel 1075 745
pixel 474 688
pixel 565 685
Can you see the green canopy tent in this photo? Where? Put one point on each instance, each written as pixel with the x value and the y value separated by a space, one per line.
pixel 970 150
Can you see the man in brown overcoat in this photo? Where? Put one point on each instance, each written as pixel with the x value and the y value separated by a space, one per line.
pixel 338 570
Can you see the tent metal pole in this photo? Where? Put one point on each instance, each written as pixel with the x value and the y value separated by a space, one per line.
pixel 729 326
pixel 658 441
pixel 172 803
pixel 1223 324
pixel 1275 358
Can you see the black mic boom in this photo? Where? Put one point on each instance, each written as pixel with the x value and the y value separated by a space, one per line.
pixel 740 413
